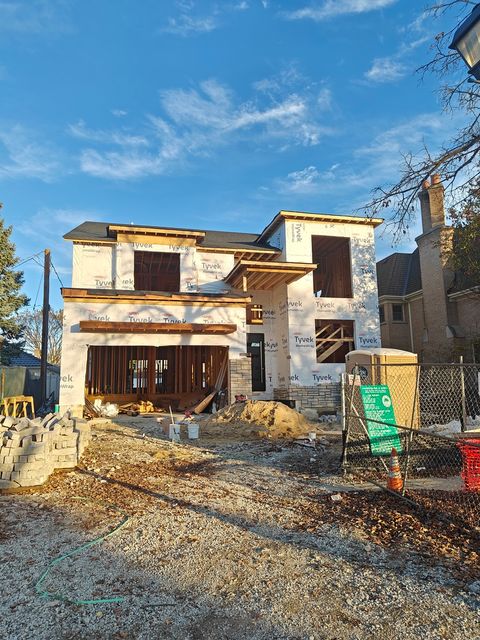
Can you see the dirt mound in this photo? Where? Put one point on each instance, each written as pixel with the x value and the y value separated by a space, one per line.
pixel 256 419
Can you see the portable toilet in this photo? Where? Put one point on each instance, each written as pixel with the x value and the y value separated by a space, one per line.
pixel 395 368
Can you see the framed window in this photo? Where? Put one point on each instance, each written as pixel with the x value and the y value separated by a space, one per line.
pixel 334 339
pixel 156 271
pixel 333 276
pixel 381 313
pixel 398 312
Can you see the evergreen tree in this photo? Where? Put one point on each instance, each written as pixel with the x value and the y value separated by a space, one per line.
pixel 11 299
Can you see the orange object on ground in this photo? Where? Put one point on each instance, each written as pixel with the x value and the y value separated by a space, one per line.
pixel 395 482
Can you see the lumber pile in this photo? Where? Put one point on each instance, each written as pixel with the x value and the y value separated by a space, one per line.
pixel 134 408
pixel 203 404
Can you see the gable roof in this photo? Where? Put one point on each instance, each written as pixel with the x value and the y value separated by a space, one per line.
pixel 24 359
pixel 399 274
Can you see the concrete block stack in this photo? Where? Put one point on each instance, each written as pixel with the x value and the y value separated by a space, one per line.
pixel 31 449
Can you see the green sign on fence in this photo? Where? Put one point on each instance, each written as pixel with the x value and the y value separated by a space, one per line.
pixel 378 405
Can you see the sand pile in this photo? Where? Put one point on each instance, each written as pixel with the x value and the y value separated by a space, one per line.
pixel 256 419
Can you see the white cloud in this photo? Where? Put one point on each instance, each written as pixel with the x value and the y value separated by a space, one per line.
pixel 22 154
pixel 196 122
pixel 186 25
pixel 333 8
pixel 34 16
pixel 119 113
pixel 79 130
pixel 369 166
pixel 385 70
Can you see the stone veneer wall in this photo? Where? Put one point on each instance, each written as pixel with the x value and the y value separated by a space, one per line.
pixel 30 450
pixel 239 378
pixel 324 397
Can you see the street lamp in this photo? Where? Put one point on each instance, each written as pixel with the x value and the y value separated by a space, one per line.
pixel 467 41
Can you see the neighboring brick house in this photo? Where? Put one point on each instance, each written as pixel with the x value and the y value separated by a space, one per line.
pixel 424 306
pixel 155 312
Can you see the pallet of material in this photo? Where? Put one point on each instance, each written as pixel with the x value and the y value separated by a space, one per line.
pixel 143 406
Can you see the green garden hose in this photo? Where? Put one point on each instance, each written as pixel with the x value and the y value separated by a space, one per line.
pixel 58 596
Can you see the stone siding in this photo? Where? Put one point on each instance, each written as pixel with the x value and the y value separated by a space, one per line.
pixel 324 397
pixel 239 378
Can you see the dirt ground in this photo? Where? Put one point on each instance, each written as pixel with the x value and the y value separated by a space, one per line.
pixel 226 539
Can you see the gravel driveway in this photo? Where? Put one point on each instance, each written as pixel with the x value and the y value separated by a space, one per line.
pixel 238 540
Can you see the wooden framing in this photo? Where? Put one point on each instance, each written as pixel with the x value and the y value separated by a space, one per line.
pixel 169 240
pixel 315 217
pixel 243 254
pixel 151 298
pixel 126 374
pixel 333 339
pixel 96 326
pixel 154 231
pixel 256 274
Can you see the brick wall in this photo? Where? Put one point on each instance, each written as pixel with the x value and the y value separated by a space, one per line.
pixel 324 397
pixel 239 378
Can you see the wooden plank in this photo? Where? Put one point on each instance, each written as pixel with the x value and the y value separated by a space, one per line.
pixel 136 297
pixel 96 326
pixel 159 240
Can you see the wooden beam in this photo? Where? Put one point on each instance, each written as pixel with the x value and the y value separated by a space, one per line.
pixel 96 326
pixel 163 240
pixel 128 228
pixel 151 298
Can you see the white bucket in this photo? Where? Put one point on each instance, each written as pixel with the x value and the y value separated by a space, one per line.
pixel 192 431
pixel 174 432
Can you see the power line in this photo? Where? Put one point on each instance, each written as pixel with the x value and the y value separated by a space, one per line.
pixel 38 291
pixel 58 277
pixel 30 258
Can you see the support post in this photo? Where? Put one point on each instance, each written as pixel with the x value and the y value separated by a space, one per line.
pixel 462 387
pixel 45 318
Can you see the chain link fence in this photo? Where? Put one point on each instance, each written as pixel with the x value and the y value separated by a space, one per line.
pixel 430 414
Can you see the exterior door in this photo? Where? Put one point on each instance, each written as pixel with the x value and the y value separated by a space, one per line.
pixel 256 349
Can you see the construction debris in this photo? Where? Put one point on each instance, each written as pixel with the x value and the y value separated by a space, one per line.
pixel 134 408
pixel 257 419
pixel 31 449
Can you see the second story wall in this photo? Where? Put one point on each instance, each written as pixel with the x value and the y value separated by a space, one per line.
pixel 112 266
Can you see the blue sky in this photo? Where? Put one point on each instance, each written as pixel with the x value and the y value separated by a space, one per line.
pixel 204 114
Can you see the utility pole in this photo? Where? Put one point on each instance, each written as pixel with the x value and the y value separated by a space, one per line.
pixel 45 318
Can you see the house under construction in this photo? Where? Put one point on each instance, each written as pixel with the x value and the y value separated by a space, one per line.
pixel 168 315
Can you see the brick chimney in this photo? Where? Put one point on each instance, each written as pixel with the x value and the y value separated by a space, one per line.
pixel 432 203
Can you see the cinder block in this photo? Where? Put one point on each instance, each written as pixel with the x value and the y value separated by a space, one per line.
pixel 6 467
pixel 9 422
pixel 8 484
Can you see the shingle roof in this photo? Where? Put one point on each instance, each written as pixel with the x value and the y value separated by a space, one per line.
pixel 25 359
pixel 98 231
pixel 399 274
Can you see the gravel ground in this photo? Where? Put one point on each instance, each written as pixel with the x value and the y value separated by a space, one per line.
pixel 237 540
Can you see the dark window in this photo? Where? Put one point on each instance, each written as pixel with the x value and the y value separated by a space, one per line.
pixel 256 349
pixel 398 313
pixel 333 276
pixel 334 339
pixel 157 271
pixel 381 313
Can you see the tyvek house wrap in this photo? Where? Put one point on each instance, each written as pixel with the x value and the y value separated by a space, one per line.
pixel 93 266
pixel 76 343
pixel 298 308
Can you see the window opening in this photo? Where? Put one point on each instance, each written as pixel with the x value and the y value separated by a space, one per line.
pixel 156 271
pixel 333 276
pixel 334 339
